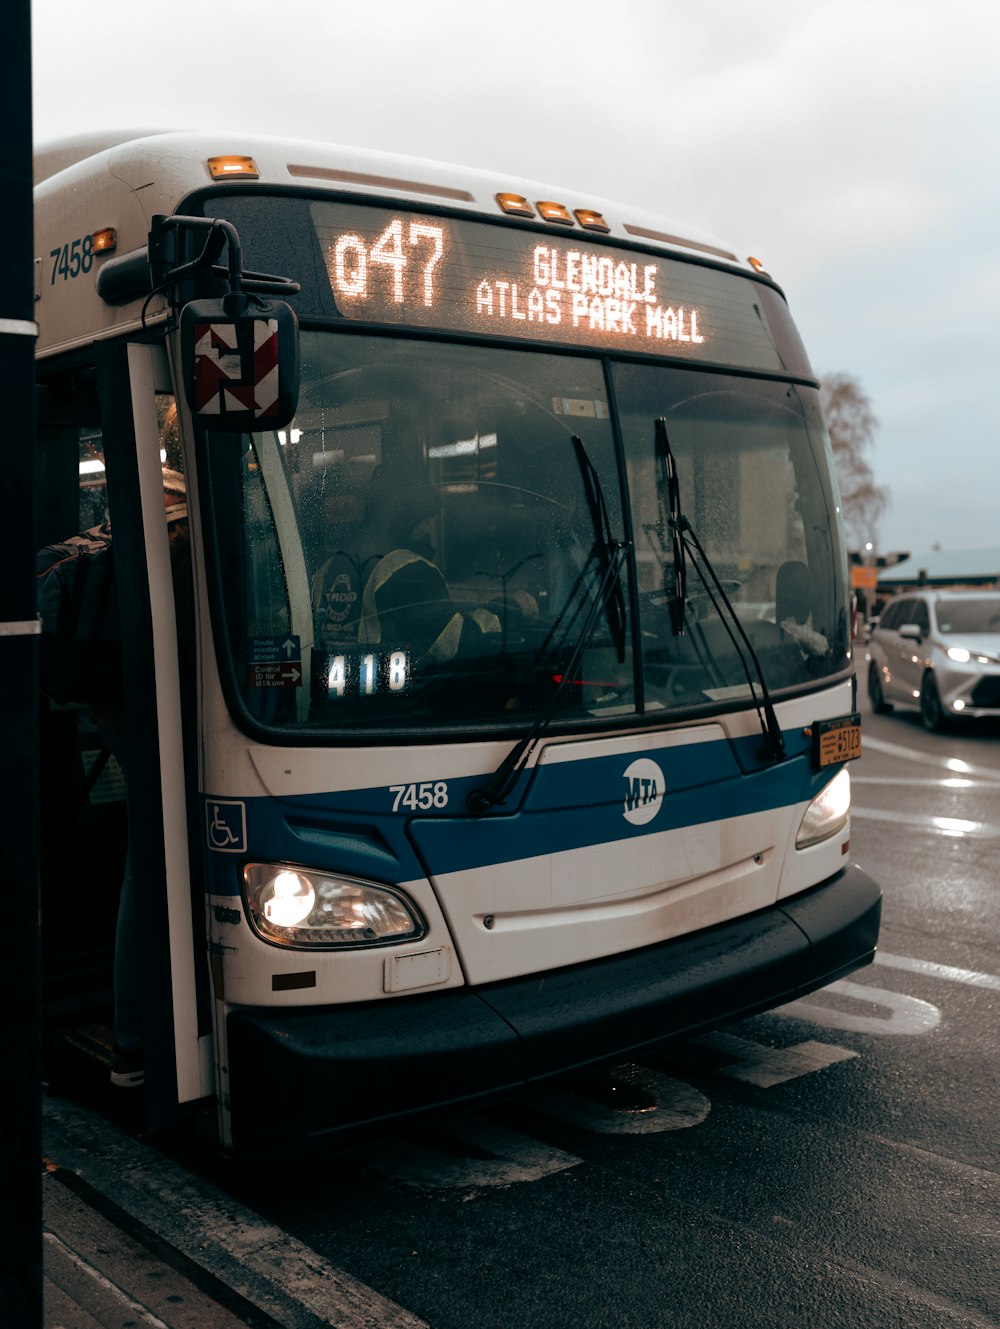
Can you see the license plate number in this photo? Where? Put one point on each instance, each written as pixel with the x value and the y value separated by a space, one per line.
pixel 837 740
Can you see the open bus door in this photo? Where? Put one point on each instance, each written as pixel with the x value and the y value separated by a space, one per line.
pixel 102 445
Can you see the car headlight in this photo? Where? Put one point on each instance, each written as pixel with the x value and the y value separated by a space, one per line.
pixel 302 908
pixel 962 656
pixel 827 813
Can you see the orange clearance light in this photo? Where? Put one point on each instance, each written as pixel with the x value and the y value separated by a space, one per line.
pixel 755 263
pixel 554 212
pixel 104 241
pixel 223 168
pixel 592 221
pixel 515 205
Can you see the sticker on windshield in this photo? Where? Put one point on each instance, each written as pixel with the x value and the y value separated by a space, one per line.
pixel 644 790
pixel 275 662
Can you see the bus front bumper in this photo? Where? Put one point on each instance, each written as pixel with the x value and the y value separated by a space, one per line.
pixel 306 1081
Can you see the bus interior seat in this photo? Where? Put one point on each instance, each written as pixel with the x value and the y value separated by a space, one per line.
pixel 792 592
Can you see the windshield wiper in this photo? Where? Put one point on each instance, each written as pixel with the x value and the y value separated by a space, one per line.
pixel 685 541
pixel 608 603
pixel 666 468
pixel 604 545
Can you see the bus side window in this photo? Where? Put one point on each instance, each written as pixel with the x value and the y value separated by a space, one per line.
pixel 70 457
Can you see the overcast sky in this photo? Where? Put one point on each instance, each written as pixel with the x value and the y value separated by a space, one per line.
pixel 850 144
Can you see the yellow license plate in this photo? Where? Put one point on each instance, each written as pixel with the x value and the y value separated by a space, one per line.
pixel 837 740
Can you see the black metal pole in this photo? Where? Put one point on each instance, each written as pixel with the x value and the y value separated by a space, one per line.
pixel 20 983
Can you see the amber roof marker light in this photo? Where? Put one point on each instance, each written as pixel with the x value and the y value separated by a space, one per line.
pixel 515 205
pixel 554 212
pixel 591 220
pixel 231 167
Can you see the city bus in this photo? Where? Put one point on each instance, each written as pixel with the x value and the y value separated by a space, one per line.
pixel 503 725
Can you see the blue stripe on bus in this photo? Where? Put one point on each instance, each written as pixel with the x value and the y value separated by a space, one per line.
pixel 580 808
pixel 561 806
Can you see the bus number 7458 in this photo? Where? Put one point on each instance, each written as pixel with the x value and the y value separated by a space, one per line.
pixel 420 797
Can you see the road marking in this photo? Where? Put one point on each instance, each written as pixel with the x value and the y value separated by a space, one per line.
pixel 266 1266
pixel 651 1102
pixel 512 1158
pixel 945 782
pixel 766 1066
pixel 953 764
pixel 970 976
pixel 907 1015
pixel 955 827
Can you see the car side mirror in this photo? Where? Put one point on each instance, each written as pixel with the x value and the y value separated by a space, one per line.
pixel 240 362
pixel 911 631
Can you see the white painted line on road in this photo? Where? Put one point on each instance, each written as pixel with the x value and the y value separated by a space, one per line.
pixel 954 827
pixel 953 764
pixel 134 1308
pixel 672 1105
pixel 907 1015
pixel 513 1158
pixel 970 976
pixel 266 1266
pixel 764 1066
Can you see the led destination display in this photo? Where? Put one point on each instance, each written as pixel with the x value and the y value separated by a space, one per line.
pixel 395 267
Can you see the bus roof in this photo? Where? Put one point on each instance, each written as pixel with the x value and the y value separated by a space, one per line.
pixel 118 180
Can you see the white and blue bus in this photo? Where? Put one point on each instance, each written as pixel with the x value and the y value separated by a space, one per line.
pixel 504 725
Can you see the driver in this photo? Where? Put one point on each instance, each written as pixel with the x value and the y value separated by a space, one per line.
pixel 406 603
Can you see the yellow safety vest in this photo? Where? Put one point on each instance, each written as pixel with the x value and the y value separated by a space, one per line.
pixel 445 643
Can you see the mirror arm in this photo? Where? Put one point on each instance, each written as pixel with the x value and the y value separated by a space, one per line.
pixel 164 269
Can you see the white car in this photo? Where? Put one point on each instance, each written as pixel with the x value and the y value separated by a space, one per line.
pixel 939 651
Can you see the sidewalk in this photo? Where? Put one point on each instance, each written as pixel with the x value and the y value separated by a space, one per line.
pixel 104 1267
pixel 133 1239
pixel 99 1275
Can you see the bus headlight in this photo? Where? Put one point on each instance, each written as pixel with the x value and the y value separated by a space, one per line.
pixel 302 908
pixel 827 813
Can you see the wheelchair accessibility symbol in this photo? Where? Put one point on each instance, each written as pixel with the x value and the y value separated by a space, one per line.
pixel 227 826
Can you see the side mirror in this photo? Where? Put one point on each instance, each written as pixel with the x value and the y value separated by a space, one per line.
pixel 911 631
pixel 240 362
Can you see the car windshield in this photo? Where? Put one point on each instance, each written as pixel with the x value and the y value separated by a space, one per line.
pixel 961 616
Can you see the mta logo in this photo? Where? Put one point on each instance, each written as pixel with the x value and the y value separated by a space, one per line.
pixel 644 790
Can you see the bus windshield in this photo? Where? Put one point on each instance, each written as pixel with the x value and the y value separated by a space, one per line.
pixel 419 550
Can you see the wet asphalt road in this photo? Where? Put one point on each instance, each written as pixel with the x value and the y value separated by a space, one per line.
pixel 833 1164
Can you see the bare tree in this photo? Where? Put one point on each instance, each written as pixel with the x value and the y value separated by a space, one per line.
pixel 852 424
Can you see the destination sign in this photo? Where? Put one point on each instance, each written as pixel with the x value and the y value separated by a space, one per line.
pixel 388 266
